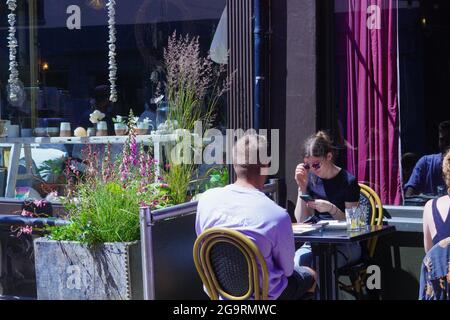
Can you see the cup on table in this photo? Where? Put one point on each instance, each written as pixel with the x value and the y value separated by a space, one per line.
pixel 352 218
pixel 362 217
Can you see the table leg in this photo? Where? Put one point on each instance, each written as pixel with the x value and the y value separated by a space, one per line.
pixel 332 266
pixel 319 265
pixel 324 263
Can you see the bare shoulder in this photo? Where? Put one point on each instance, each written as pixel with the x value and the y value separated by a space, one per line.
pixel 427 211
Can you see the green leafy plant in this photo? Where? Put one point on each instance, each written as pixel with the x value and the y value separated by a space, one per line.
pixel 178 178
pixel 218 177
pixel 193 89
pixel 51 170
pixel 105 199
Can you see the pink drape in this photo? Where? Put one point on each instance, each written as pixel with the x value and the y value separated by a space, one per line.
pixel 367 68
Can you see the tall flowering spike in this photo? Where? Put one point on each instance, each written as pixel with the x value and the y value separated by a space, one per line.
pixel 150 166
pixel 124 167
pixel 106 165
pixel 142 161
pixel 13 80
pixel 112 50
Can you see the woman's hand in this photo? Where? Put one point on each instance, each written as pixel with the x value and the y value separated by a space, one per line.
pixel 301 177
pixel 321 206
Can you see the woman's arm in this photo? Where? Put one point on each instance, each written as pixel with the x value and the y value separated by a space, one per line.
pixel 324 206
pixel 302 212
pixel 427 239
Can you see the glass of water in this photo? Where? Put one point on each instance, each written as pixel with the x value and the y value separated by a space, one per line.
pixel 352 217
pixel 362 217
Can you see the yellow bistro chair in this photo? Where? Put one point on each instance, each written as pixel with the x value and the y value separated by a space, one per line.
pixel 358 272
pixel 230 265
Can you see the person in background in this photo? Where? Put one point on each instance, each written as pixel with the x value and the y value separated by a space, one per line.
pixel 436 215
pixel 409 161
pixel 333 190
pixel 242 206
pixel 427 174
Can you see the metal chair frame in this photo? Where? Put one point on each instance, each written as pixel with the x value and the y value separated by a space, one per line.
pixel 359 278
pixel 202 258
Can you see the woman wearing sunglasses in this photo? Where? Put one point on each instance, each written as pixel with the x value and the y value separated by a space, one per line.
pixel 331 188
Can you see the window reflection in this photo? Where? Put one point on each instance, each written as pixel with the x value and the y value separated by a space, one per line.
pixel 64 70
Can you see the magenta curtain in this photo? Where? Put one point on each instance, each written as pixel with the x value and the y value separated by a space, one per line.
pixel 367 81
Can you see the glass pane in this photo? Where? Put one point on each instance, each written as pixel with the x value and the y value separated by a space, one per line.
pixel 62 57
pixel 367 95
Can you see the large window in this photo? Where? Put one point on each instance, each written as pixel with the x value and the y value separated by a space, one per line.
pixel 392 63
pixel 62 58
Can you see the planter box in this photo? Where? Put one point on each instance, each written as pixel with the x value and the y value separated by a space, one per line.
pixel 71 271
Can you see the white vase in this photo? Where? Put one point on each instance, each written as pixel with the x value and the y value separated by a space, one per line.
pixel 102 128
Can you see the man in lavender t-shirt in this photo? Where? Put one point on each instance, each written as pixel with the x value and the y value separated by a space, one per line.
pixel 243 207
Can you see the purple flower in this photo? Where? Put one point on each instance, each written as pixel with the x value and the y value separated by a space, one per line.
pixel 27 230
pixel 26 213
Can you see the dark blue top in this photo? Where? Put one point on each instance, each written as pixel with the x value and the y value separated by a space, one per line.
pixel 427 175
pixel 442 227
pixel 338 190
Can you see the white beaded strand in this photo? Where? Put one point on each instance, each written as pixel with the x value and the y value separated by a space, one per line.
pixel 112 50
pixel 13 80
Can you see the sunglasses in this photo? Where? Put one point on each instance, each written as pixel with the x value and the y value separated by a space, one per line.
pixel 315 166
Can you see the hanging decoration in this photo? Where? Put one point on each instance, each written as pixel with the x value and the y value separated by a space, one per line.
pixel 13 81
pixel 112 50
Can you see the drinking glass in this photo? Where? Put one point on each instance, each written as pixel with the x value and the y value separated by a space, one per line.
pixel 351 215
pixel 362 217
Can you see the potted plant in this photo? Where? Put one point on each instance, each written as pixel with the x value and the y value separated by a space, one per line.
pixel 52 173
pixel 97 255
pixel 143 127
pixel 193 89
pixel 102 127
pixel 120 126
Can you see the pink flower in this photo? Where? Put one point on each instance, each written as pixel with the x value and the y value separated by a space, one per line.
pixel 39 203
pixel 26 213
pixel 27 230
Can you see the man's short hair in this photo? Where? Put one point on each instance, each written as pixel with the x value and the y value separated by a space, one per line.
pixel 444 126
pixel 246 155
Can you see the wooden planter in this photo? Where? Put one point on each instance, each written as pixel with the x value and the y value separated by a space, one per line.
pixel 68 270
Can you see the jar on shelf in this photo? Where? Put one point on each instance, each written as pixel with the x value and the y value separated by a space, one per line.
pixel 91 132
pixel 120 128
pixel 65 129
pixel 143 127
pixel 102 129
